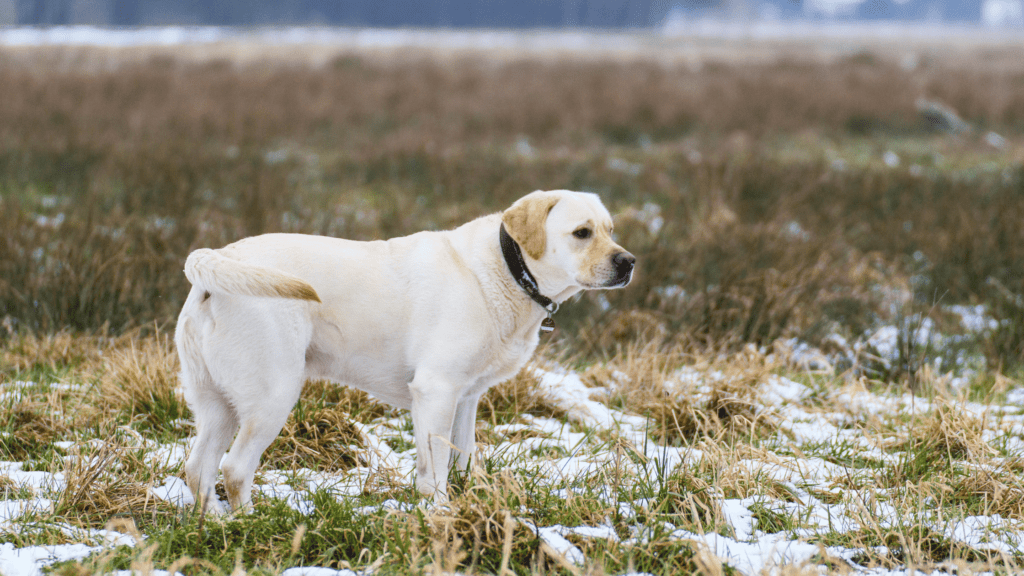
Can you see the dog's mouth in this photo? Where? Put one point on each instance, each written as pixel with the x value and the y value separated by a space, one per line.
pixel 619 281
pixel 623 275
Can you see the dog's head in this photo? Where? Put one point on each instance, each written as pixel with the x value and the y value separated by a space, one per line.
pixel 569 234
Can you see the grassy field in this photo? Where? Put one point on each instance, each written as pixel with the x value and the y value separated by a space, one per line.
pixel 818 364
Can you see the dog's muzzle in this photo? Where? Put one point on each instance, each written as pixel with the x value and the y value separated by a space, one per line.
pixel 623 263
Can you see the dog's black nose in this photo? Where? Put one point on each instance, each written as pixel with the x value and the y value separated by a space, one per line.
pixel 623 262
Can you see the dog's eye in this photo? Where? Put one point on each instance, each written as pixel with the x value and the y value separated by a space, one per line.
pixel 582 233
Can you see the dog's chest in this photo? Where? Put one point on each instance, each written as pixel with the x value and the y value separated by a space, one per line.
pixel 504 363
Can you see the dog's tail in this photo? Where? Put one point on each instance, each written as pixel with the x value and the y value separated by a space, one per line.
pixel 211 271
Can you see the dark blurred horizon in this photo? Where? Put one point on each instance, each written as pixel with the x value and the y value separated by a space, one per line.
pixel 521 14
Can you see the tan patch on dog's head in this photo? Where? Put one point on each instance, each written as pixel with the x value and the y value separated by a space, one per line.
pixel 601 247
pixel 525 221
pixel 596 253
pixel 580 237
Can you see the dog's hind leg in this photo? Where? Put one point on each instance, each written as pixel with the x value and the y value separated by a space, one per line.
pixel 215 419
pixel 260 369
pixel 259 429
pixel 272 386
pixel 216 424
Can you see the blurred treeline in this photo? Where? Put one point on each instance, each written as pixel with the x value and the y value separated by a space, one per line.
pixel 417 13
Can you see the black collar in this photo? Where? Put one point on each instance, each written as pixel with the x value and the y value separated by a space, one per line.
pixel 514 259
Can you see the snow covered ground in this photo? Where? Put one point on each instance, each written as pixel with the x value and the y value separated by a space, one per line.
pixel 814 480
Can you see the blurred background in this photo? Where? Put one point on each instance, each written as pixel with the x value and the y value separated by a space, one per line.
pixel 492 13
pixel 836 180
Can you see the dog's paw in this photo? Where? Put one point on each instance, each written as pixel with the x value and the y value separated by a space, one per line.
pixel 435 506
pixel 216 507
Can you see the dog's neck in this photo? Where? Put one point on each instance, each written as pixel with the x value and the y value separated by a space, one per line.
pixel 521 273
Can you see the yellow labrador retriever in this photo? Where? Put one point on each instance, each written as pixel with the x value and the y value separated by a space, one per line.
pixel 426 322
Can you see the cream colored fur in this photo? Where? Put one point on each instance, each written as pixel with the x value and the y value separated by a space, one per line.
pixel 426 322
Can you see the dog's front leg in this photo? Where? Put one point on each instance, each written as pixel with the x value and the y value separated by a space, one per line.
pixel 464 432
pixel 433 411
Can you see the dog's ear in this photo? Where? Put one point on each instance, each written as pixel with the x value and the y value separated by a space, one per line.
pixel 525 221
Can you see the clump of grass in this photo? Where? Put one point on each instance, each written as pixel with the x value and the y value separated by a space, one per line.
pixel 105 482
pixel 521 394
pixel 28 430
pixel 621 329
pixel 319 433
pixel 139 381
pixel 359 405
pixel 7 485
pixel 31 354
pixel 740 477
pixel 939 448
pixel 478 526
pixel 1004 346
pixel 659 555
pixel 692 501
pixel 646 384
pixel 950 430
pixel 638 381
pixel 789 286
pixel 987 492
pixel 771 520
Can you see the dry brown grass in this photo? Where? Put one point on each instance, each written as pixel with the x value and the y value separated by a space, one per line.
pixel 469 529
pixel 107 387
pixel 152 158
pixel 104 483
pixel 643 380
pixel 949 429
pixel 521 394
pixel 319 432
pixel 427 100
pixel 34 426
pixel 29 351
pixel 140 379
pixel 696 501
pixel 478 515
pixel 1000 491
pixel 622 329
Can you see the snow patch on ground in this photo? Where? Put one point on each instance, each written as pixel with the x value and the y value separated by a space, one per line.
pixel 175 491
pixel 742 544
pixel 30 560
